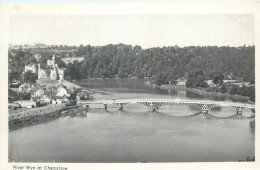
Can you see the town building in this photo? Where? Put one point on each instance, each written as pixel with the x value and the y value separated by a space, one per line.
pixel 181 81
pixel 62 91
pixel 37 92
pixel 210 83
pixel 68 60
pixel 24 88
pixel 56 73
pixel 26 103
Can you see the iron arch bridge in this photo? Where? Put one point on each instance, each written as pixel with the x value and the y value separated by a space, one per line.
pixel 154 104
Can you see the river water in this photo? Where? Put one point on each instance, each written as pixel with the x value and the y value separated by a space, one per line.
pixel 136 134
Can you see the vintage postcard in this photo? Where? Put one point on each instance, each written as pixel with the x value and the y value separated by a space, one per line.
pixel 148 85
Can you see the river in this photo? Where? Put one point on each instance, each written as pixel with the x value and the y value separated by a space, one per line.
pixel 136 134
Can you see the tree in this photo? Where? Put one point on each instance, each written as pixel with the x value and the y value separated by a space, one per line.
pixel 223 88
pixel 196 78
pixel 30 77
pixel 251 93
pixel 217 78
pixel 73 70
pixel 159 79
pixel 234 89
pixel 59 62
pixel 13 75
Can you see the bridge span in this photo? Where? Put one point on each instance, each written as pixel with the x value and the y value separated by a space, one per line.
pixel 154 104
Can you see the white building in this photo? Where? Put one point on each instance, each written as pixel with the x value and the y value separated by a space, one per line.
pixel 181 81
pixel 62 91
pixel 68 60
pixel 26 103
pixel 24 87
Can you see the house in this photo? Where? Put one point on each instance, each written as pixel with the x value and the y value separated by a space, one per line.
pixel 24 88
pixel 59 99
pixel 37 92
pixel 68 60
pixel 26 103
pixel 210 83
pixel 230 81
pixel 82 96
pixel 63 91
pixel 47 96
pixel 56 100
pixel 181 81
pixel 52 97
pixel 15 84
pixel 241 84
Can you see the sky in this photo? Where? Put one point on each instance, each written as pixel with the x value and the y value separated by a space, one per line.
pixel 144 30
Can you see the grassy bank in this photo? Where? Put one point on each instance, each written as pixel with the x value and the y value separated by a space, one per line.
pixel 206 93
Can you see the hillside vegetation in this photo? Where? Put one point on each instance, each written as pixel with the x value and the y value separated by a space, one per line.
pixel 162 65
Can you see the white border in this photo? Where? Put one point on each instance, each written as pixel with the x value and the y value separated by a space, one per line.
pixel 119 9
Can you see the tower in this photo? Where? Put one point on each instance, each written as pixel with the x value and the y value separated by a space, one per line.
pixel 61 73
pixel 53 60
pixel 39 71
pixel 54 74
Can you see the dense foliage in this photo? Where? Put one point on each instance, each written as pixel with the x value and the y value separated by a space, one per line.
pixel 167 62
pixel 14 96
pixel 30 77
pixel 197 78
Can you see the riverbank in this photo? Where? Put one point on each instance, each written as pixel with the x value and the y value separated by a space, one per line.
pixel 27 117
pixel 207 93
pixel 70 85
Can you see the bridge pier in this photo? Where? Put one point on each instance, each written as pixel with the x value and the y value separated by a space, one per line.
pixel 153 105
pixel 239 110
pixel 203 107
pixel 120 106
pixel 105 105
pixel 205 111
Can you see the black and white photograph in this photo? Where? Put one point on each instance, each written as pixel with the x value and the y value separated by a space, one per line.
pixel 131 88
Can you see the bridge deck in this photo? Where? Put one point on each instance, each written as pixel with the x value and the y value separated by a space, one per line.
pixel 169 101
